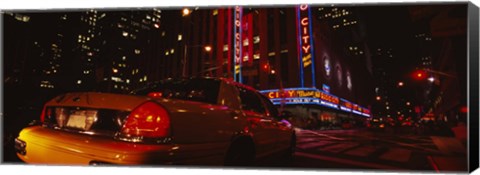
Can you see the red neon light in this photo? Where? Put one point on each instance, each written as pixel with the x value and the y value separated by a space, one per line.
pixel 464 109
pixel 250 39
pixel 303 7
pixel 229 68
pixel 238 37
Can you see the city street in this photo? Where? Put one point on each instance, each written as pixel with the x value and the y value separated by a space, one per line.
pixel 358 149
pixel 381 87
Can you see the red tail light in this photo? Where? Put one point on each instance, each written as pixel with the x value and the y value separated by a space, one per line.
pixel 155 94
pixel 147 120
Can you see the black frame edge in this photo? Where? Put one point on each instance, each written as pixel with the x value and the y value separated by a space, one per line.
pixel 473 80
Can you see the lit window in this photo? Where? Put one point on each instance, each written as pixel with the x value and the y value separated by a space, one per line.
pixel 284 51
pixel 145 78
pixel 225 47
pixel 79 81
pixel 124 58
pixel 271 54
pixel 256 39
pixel 215 12
pixel 114 70
pixel 172 51
pixel 163 33
pixel 128 80
pixel 245 42
pixel 179 37
pixel 256 56
pixel 125 34
pixel 137 51
pixel 167 53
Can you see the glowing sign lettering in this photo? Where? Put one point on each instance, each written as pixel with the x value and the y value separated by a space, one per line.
pixel 305 38
pixel 238 44
pixel 315 97
pixel 238 37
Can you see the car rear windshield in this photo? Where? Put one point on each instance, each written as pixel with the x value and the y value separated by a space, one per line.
pixel 195 89
pixel 85 120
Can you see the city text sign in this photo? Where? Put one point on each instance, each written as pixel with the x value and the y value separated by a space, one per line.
pixel 238 44
pixel 291 96
pixel 305 36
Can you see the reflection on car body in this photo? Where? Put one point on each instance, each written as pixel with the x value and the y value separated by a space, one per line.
pixel 194 121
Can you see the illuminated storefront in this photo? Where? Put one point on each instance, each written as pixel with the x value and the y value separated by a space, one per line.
pixel 312 107
pixel 285 48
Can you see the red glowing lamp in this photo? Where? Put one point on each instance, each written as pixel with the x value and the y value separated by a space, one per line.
pixel 266 67
pixel 419 75
pixel 464 109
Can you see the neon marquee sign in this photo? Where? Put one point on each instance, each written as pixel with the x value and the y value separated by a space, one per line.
pixel 305 46
pixel 238 44
pixel 313 96
pixel 305 38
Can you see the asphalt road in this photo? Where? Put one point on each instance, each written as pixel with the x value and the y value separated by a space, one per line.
pixel 365 150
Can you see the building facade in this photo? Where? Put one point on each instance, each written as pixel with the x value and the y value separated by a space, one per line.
pixel 277 50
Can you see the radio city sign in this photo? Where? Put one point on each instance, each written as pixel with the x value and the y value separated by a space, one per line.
pixel 313 96
pixel 305 40
pixel 302 93
pixel 238 34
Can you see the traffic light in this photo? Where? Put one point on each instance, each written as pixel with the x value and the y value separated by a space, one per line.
pixel 266 67
pixel 419 75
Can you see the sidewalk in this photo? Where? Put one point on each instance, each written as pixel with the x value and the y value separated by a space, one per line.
pixel 453 158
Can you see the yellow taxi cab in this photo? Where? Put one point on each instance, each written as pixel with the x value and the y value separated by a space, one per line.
pixel 191 121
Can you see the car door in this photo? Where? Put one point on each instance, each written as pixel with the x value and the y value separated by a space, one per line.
pixel 280 128
pixel 259 124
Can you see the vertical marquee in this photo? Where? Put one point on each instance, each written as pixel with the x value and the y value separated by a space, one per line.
pixel 305 47
pixel 238 44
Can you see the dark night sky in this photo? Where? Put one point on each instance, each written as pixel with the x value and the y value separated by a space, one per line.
pixel 391 27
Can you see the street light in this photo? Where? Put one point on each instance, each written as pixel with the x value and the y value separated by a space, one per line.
pixel 186 12
pixel 207 48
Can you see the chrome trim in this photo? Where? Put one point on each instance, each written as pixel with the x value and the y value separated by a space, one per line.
pixel 144 140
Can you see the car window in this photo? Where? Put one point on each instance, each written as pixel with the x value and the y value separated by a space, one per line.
pixel 201 90
pixel 272 110
pixel 251 101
